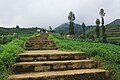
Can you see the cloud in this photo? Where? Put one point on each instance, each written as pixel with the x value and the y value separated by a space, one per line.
pixel 44 13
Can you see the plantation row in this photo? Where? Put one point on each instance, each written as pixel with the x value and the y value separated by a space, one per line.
pixel 108 54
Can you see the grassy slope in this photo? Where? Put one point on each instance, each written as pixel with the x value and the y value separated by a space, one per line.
pixel 107 54
pixel 8 55
pixel 113 32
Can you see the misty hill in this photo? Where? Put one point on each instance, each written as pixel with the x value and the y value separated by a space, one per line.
pixel 64 28
pixel 115 22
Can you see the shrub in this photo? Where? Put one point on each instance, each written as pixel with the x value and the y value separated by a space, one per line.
pixel 108 52
pixel 8 55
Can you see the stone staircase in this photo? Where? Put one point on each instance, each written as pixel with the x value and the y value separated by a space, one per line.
pixel 56 65
pixel 40 43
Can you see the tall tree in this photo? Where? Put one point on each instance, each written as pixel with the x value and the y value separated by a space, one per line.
pixel 17 27
pixel 84 29
pixel 97 28
pixel 50 29
pixel 104 37
pixel 71 18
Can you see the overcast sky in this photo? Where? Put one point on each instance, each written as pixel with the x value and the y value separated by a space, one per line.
pixel 44 13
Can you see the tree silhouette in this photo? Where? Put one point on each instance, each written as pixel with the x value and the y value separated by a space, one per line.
pixel 97 28
pixel 17 27
pixel 50 29
pixel 84 28
pixel 71 18
pixel 104 37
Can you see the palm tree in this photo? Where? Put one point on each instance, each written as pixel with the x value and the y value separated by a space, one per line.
pixel 71 18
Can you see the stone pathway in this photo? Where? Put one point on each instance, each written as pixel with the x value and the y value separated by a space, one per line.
pixel 50 64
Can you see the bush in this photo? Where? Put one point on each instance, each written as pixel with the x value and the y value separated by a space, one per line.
pixel 6 38
pixel 8 55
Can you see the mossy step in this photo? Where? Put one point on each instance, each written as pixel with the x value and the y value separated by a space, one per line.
pixel 53 65
pixel 82 74
pixel 51 55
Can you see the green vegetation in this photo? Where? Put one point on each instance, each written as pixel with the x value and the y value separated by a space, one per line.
pixel 7 38
pixel 97 28
pixel 104 37
pixel 84 30
pixel 18 31
pixel 107 54
pixel 64 29
pixel 71 18
pixel 113 33
pixel 8 55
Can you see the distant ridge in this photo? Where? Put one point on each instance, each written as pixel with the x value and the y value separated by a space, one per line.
pixel 64 28
pixel 115 22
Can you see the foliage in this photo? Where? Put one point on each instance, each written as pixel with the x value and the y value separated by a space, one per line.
pixel 6 31
pixel 84 29
pixel 64 28
pixel 112 32
pixel 71 28
pixel 7 38
pixel 8 55
pixel 50 29
pixel 97 28
pixel 17 27
pixel 71 18
pixel 104 37
pixel 108 52
pixel 18 30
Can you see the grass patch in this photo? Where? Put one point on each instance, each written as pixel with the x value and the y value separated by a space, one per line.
pixel 8 55
pixel 107 54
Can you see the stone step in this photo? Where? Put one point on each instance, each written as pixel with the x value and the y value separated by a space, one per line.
pixel 40 43
pixel 44 66
pixel 82 74
pixel 51 55
pixel 40 48
pixel 39 40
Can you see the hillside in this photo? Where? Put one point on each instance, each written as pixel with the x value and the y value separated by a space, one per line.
pixel 5 31
pixel 19 31
pixel 112 30
pixel 64 28
pixel 108 55
pixel 115 22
